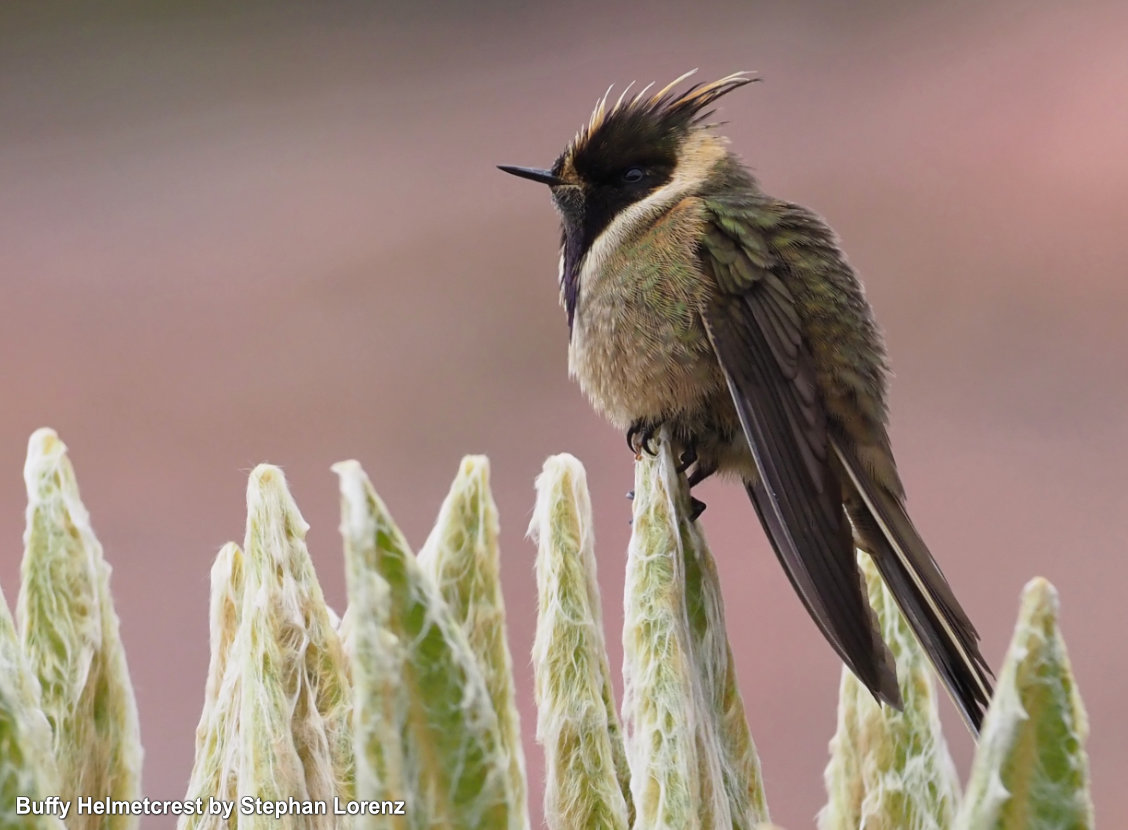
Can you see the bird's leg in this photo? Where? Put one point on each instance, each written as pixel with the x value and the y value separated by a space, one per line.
pixel 640 436
pixel 700 472
pixel 688 459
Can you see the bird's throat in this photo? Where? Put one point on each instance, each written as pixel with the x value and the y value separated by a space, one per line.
pixel 574 249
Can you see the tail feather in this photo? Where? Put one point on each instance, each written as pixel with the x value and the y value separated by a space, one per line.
pixel 920 589
pixel 867 656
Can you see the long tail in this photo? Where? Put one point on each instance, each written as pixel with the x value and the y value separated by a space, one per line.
pixel 923 594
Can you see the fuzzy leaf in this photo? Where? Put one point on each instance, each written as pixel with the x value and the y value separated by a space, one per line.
pixel 27 767
pixel 71 642
pixel 297 696
pixel 693 762
pixel 215 773
pixel 1030 770
pixel 586 765
pixel 461 556
pixel 426 730
pixel 890 770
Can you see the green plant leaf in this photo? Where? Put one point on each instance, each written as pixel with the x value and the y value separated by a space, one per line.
pixel 586 764
pixel 426 730
pixel 461 556
pixel 1030 770
pixel 890 769
pixel 71 641
pixel 693 763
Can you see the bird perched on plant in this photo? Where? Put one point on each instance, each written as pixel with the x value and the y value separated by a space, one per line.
pixel 698 303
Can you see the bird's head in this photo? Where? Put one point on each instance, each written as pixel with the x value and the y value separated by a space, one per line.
pixel 635 157
pixel 632 147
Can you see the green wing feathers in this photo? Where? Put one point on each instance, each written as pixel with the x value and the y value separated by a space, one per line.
pixel 805 366
pixel 756 334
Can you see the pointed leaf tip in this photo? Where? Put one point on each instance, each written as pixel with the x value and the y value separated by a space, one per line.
pixel 889 768
pixel 587 776
pixel 1030 769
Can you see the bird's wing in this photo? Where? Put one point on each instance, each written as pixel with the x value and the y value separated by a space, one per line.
pixel 755 331
pixel 922 593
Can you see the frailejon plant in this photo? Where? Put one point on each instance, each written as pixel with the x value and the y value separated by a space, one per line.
pixel 401 714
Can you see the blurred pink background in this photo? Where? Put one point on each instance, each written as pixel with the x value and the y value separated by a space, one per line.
pixel 278 235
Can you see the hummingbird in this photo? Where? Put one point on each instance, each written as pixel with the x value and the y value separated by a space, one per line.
pixel 700 305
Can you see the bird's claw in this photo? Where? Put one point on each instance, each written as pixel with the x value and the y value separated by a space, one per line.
pixel 696 508
pixel 640 438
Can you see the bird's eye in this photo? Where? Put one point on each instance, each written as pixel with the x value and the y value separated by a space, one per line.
pixel 633 174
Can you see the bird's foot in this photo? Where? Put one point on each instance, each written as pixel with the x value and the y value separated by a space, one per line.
pixel 700 472
pixel 640 437
pixel 702 469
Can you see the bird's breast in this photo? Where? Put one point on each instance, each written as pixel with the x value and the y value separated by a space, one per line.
pixel 638 346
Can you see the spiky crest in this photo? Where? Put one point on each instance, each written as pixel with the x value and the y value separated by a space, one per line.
pixel 662 115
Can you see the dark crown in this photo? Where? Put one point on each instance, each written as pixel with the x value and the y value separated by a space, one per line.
pixel 653 125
